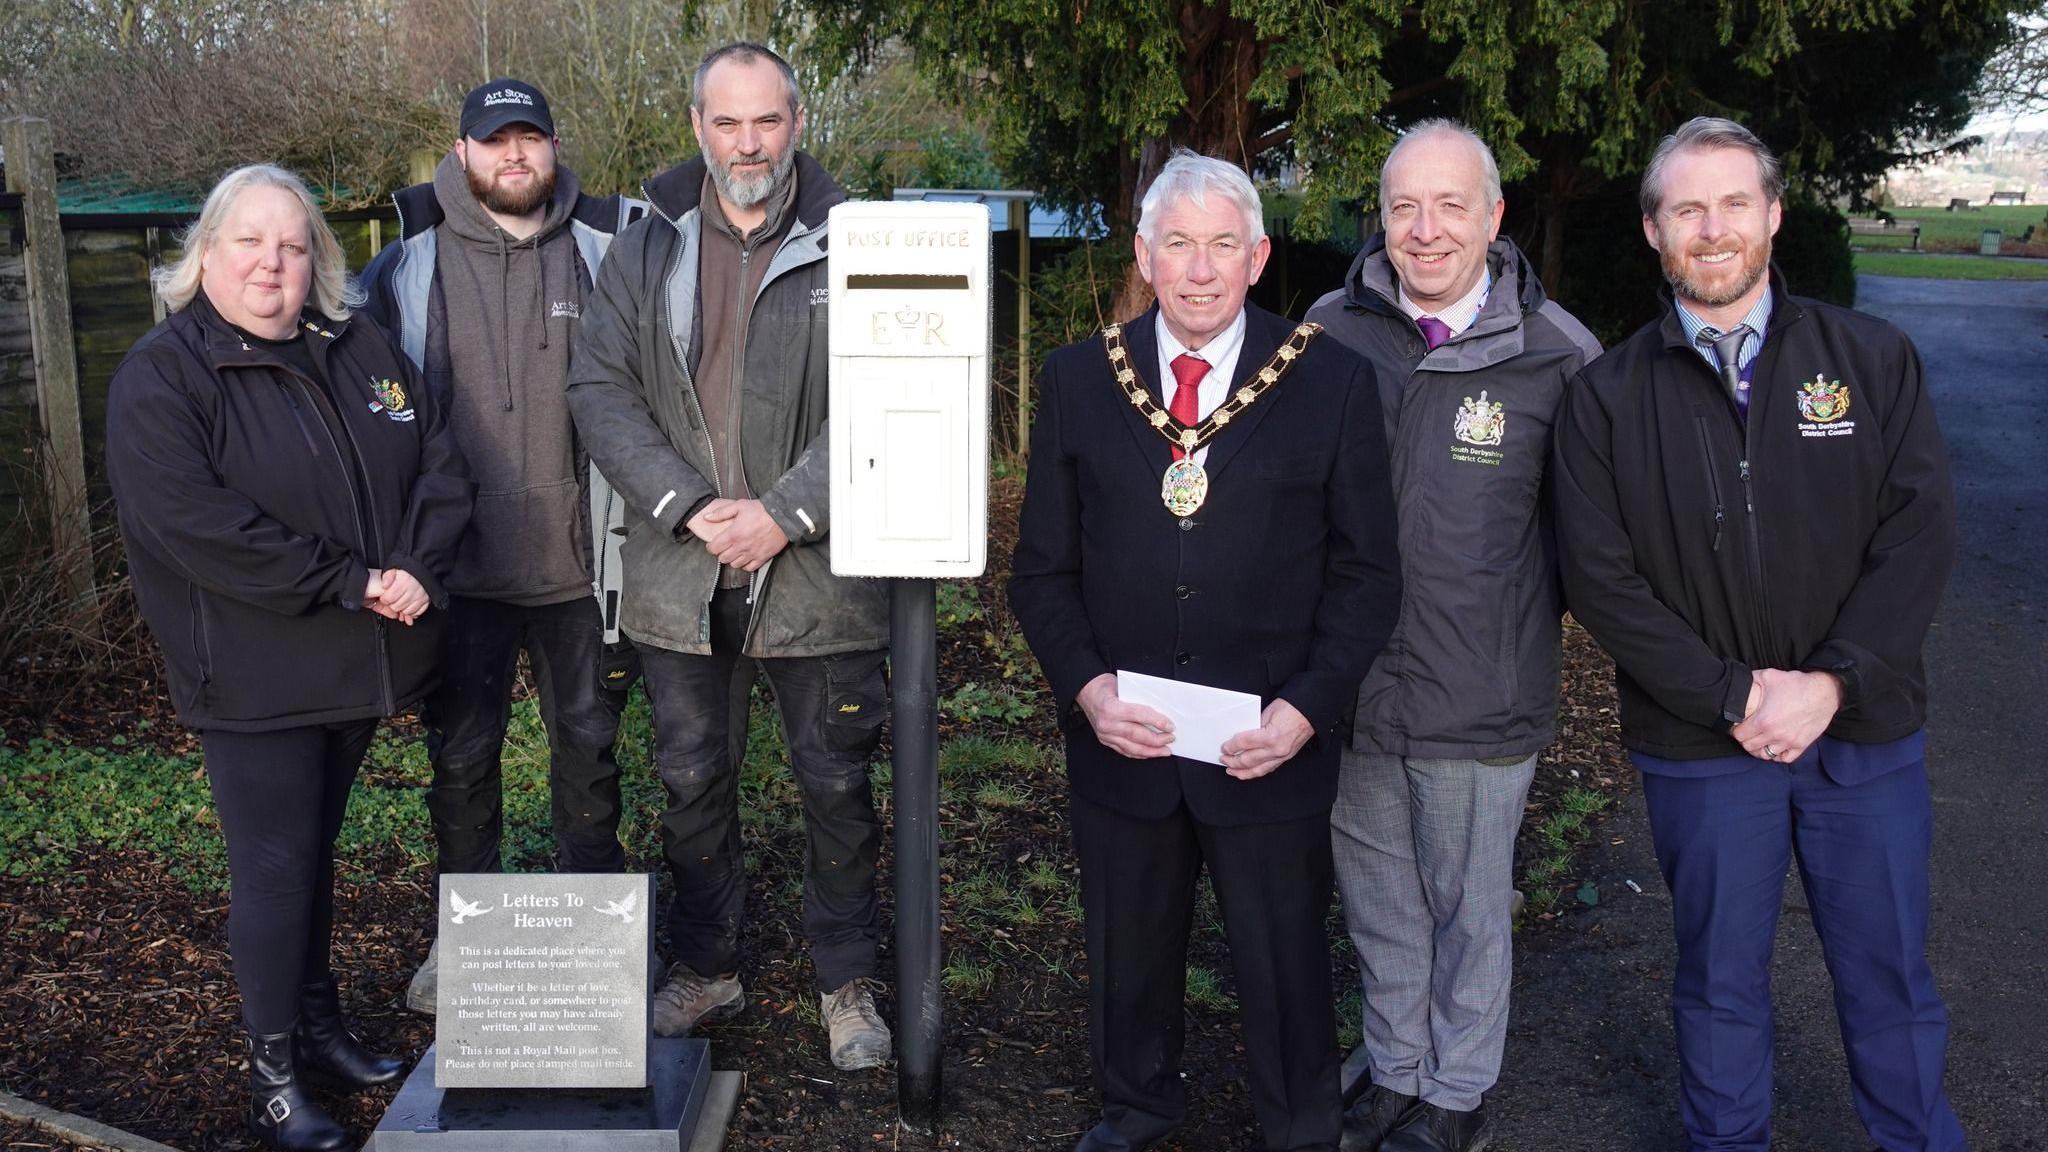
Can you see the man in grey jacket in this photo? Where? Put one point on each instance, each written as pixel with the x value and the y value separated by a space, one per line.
pixel 700 389
pixel 1472 361
pixel 484 291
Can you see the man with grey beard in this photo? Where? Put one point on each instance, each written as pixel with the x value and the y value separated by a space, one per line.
pixel 485 291
pixel 700 389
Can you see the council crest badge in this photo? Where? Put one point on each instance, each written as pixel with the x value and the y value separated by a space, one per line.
pixel 391 399
pixel 1481 422
pixel 1822 401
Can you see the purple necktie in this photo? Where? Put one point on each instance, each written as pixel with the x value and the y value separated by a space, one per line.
pixel 1434 330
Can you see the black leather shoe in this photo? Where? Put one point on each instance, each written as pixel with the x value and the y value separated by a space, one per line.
pixel 1372 1116
pixel 281 1116
pixel 326 1047
pixel 1434 1129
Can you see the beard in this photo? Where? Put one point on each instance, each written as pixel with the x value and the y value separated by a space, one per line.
pixel 1750 265
pixel 747 191
pixel 511 201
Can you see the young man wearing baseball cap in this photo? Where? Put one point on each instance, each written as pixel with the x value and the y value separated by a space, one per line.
pixel 485 291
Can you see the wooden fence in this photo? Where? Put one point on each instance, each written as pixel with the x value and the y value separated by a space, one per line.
pixel 108 257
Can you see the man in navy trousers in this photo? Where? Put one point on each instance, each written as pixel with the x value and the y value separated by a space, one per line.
pixel 1756 521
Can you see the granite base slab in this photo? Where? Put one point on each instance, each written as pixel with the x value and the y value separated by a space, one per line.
pixel 661 1117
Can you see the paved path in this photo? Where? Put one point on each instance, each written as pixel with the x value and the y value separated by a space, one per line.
pixel 1590 1062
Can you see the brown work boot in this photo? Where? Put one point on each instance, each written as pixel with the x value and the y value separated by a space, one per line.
pixel 421 995
pixel 859 1038
pixel 687 998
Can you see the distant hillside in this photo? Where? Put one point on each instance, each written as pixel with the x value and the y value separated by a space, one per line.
pixel 2006 161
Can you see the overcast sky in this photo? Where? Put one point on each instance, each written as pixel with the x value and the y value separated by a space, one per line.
pixel 1992 123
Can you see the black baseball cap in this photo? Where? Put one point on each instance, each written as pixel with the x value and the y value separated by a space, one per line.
pixel 503 101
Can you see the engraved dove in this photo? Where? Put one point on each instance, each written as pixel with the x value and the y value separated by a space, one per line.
pixel 623 909
pixel 464 909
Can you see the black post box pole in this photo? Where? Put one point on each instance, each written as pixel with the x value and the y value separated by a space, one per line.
pixel 913 658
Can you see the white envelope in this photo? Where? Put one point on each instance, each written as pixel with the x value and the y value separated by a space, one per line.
pixel 1203 717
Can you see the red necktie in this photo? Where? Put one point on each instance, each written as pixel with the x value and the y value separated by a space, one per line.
pixel 1188 371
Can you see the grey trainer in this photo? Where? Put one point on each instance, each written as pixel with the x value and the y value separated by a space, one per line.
pixel 859 1038
pixel 419 995
pixel 687 998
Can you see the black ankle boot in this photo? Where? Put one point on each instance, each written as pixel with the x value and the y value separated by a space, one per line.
pixel 280 1114
pixel 327 1048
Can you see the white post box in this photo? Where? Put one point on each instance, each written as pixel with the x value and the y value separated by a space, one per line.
pixel 909 379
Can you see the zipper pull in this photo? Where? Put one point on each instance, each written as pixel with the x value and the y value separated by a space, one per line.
pixel 1719 519
pixel 1748 502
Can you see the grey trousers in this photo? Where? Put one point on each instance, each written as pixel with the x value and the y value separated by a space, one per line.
pixel 1425 864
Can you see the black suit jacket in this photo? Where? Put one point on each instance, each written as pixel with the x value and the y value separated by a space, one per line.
pixel 1284 583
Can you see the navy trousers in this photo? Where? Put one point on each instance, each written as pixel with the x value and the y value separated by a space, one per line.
pixel 1723 843
pixel 1273 885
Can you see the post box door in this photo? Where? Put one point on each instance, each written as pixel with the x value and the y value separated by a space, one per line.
pixel 906 461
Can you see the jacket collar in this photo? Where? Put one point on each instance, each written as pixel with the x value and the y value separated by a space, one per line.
pixel 675 192
pixel 1495 335
pixel 419 210
pixel 224 347
pixel 1371 286
pixel 1784 311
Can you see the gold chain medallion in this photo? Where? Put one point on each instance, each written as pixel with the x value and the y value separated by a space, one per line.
pixel 1186 484
pixel 1185 487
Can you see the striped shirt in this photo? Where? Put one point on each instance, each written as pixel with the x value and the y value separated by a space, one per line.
pixel 1757 319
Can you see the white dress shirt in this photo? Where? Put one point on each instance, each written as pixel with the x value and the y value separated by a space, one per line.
pixel 1460 314
pixel 1221 356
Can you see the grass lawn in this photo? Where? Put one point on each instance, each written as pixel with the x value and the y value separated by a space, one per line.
pixel 1945 231
pixel 1927 266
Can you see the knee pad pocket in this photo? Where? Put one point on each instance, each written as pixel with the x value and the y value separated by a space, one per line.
pixel 856 696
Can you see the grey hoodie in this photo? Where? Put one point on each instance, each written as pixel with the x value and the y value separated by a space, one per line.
pixel 1471 670
pixel 513 307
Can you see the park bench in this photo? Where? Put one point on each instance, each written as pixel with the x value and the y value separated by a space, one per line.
pixel 1958 204
pixel 2009 197
pixel 1863 227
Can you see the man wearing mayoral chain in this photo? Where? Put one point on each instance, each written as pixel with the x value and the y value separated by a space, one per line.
pixel 1208 503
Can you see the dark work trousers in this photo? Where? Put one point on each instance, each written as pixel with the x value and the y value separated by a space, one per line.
pixel 281 796
pixel 466 719
pixel 1724 844
pixel 1273 885
pixel 831 710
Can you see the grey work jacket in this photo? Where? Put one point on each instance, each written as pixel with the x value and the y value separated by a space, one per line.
pixel 636 409
pixel 1471 671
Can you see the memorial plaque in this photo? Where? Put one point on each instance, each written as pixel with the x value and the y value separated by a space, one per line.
pixel 543 981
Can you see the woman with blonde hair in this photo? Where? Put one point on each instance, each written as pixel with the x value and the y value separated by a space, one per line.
pixel 288 499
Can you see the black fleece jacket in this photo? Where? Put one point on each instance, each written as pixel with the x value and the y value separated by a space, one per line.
pixel 1818 535
pixel 249 536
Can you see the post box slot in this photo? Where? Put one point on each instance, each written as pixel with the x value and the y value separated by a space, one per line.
pixel 911 280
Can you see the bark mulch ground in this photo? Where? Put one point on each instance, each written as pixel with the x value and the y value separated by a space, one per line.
pixel 117 1001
